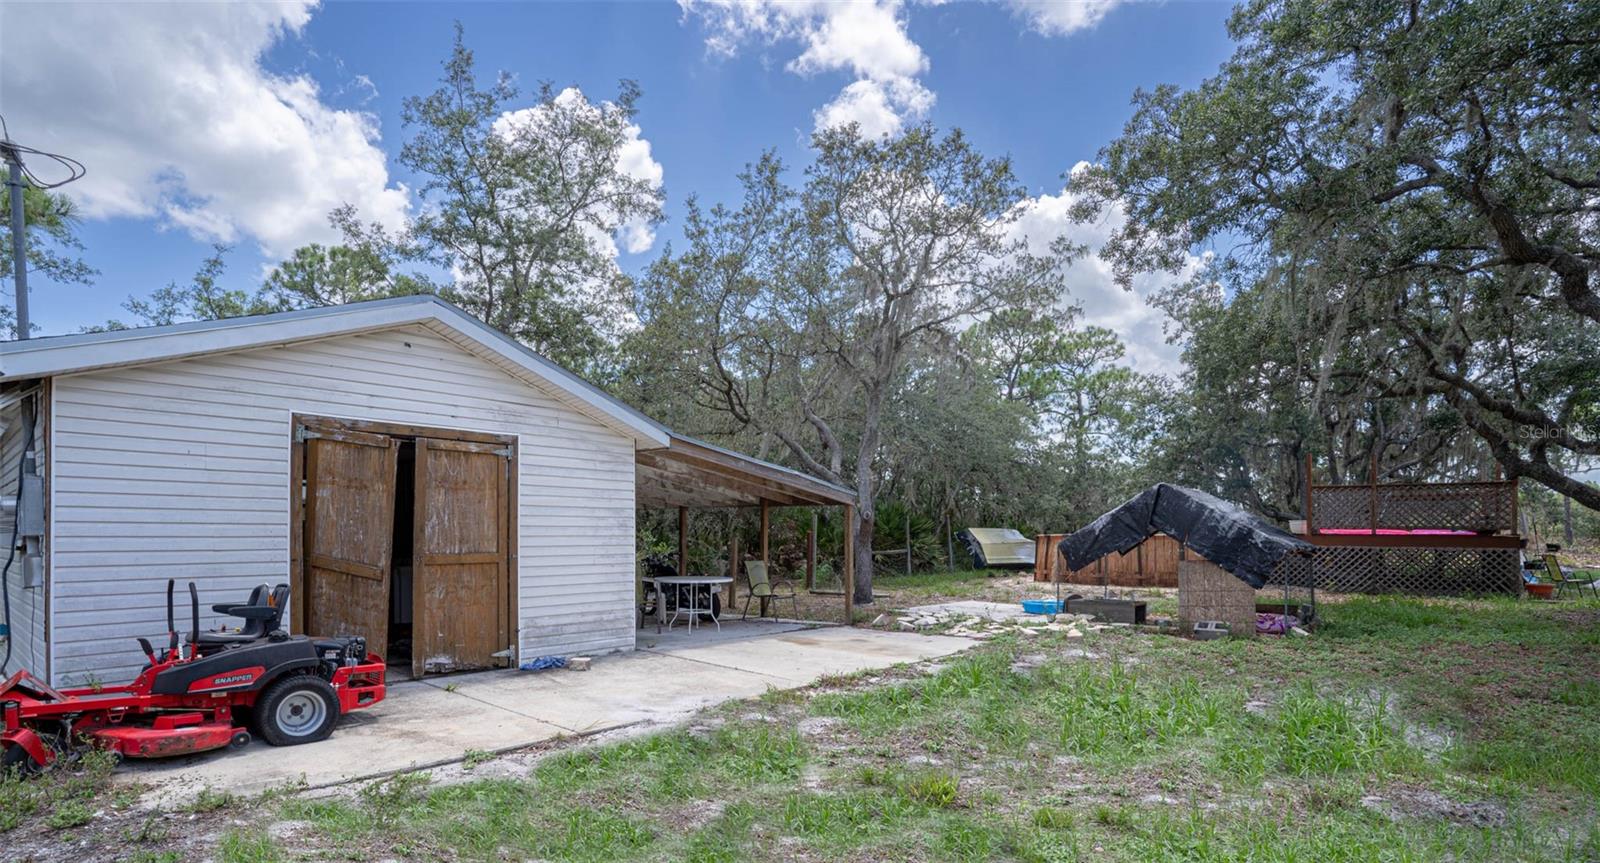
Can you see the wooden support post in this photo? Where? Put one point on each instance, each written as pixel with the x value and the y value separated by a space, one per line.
pixel 1373 488
pixel 811 552
pixel 733 561
pixel 908 542
pixel 1310 524
pixel 683 540
pixel 949 544
pixel 766 528
pixel 1516 515
pixel 849 565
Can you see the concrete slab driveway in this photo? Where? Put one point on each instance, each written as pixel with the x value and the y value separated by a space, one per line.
pixel 436 721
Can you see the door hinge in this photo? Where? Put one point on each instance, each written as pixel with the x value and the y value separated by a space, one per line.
pixel 303 434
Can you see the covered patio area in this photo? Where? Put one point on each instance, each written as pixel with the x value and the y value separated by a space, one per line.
pixel 690 477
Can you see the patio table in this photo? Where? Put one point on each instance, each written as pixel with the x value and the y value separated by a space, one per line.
pixel 678 583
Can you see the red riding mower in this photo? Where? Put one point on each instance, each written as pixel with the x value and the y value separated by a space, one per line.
pixel 200 694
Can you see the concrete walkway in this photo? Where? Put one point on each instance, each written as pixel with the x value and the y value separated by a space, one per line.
pixel 436 721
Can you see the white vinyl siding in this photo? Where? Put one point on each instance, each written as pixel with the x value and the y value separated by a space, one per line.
pixel 180 470
pixel 27 622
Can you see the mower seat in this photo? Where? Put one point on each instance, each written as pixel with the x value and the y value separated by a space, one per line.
pixel 258 596
pixel 261 615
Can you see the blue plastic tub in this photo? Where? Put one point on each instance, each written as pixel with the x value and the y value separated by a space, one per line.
pixel 1041 606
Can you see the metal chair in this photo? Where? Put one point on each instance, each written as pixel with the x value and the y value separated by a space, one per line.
pixel 762 587
pixel 1564 578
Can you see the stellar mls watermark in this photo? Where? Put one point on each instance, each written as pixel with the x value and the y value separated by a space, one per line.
pixel 1586 433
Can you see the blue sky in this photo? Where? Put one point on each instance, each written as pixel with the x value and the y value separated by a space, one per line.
pixel 1047 83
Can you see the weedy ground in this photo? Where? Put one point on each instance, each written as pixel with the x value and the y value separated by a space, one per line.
pixel 927 588
pixel 1404 729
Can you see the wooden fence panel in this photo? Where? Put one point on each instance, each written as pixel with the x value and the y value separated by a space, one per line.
pixel 1153 563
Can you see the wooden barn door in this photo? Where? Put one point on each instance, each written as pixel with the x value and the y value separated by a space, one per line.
pixel 461 573
pixel 349 531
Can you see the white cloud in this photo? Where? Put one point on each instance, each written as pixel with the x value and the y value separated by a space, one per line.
pixel 865 38
pixel 1061 17
pixel 878 107
pixel 1090 283
pixel 177 120
pixel 633 160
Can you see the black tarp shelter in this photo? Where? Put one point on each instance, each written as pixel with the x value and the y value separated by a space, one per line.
pixel 1240 542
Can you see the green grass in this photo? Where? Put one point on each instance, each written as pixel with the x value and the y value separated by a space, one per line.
pixel 66 795
pixel 248 845
pixel 724 840
pixel 1403 621
pixel 939 583
pixel 578 805
pixel 1318 735
pixel 210 799
pixel 480 820
pixel 1052 818
pixel 1404 730
pixel 1109 713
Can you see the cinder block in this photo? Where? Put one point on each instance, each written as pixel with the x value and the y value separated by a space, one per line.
pixel 1206 630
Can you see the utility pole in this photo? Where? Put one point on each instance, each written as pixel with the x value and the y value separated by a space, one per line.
pixel 19 275
pixel 19 239
pixel 29 504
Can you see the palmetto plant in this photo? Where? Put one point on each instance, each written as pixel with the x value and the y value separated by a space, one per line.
pixel 927 545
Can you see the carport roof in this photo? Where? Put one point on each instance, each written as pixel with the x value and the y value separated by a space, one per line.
pixel 696 474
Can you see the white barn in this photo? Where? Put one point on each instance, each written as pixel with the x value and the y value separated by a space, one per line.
pixel 417 476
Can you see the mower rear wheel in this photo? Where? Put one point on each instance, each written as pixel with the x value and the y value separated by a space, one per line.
pixel 302 708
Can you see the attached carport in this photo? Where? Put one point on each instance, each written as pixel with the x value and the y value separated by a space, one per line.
pixel 691 475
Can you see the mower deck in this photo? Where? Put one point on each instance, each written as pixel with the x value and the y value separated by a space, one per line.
pixel 194 698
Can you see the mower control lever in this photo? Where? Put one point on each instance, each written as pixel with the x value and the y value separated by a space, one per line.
pixel 149 652
pixel 194 611
pixel 172 625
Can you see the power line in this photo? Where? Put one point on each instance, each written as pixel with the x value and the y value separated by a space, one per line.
pixel 17 172
pixel 14 151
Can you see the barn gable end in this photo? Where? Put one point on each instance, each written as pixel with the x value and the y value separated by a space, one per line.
pixel 181 470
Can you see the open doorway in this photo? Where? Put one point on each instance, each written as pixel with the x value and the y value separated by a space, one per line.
pixel 406 539
pixel 401 583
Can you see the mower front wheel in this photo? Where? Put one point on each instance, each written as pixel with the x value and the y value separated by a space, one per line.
pixel 302 708
pixel 16 760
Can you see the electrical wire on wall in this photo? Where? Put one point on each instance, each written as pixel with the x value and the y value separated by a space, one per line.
pixel 11 554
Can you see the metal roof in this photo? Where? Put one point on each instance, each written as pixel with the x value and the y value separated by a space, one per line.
pixel 676 469
pixel 48 356
pixel 697 474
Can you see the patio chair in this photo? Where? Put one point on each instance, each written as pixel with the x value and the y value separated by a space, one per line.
pixel 764 588
pixel 1565 578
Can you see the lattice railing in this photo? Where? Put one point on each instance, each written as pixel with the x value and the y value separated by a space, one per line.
pixel 1485 507
pixel 1420 571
